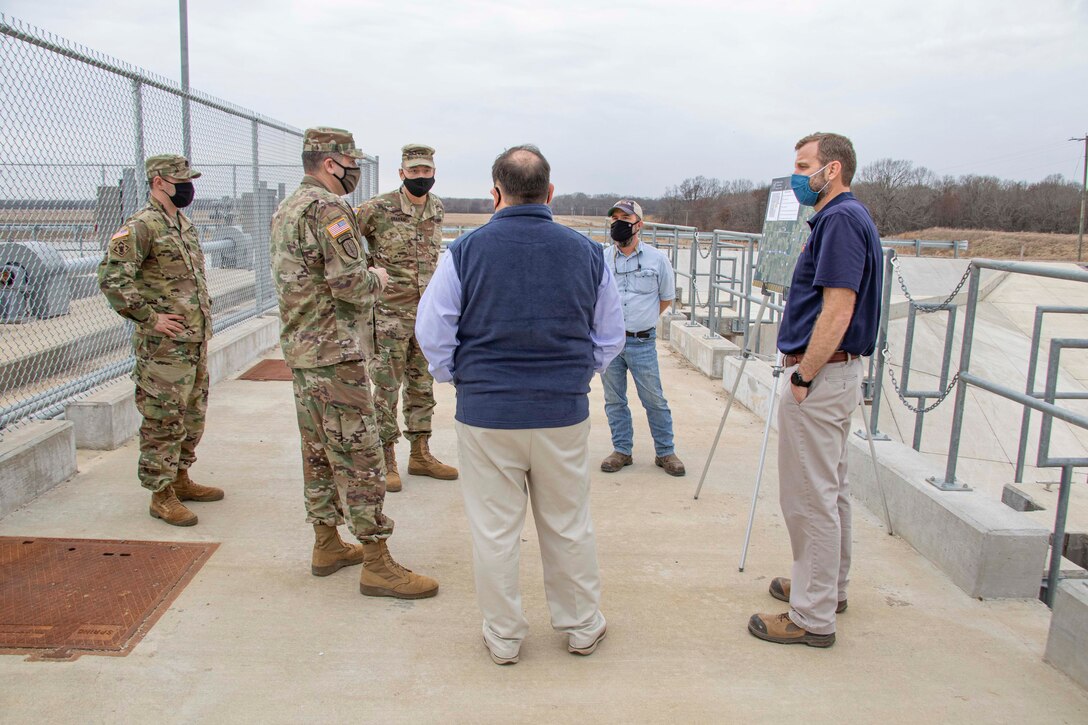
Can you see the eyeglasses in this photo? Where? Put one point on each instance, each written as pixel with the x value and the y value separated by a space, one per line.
pixel 616 269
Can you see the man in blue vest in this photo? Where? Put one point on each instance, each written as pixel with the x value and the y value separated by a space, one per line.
pixel 519 315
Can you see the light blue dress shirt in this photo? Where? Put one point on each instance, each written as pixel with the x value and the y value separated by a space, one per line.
pixel 645 279
pixel 440 310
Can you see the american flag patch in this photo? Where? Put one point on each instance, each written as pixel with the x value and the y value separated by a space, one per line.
pixel 120 233
pixel 338 227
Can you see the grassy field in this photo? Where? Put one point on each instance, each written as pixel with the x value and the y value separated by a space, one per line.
pixel 1002 245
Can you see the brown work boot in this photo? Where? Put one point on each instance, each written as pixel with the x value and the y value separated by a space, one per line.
pixel 422 463
pixel 780 590
pixel 392 475
pixel 187 489
pixel 384 577
pixel 165 506
pixel 672 465
pixel 331 554
pixel 615 461
pixel 780 628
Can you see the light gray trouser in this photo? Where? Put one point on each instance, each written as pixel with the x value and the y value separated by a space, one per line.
pixel 500 471
pixel 813 491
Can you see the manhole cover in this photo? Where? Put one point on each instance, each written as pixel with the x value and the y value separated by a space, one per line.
pixel 268 370
pixel 62 598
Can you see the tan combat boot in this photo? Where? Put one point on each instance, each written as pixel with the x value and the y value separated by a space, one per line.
pixel 383 577
pixel 392 476
pixel 165 506
pixel 331 554
pixel 422 463
pixel 187 489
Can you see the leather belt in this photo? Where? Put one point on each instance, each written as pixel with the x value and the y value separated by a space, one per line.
pixel 641 334
pixel 837 356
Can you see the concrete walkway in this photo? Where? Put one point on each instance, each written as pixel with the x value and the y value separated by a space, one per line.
pixel 256 638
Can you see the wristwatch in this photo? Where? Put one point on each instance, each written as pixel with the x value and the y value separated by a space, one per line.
pixel 797 380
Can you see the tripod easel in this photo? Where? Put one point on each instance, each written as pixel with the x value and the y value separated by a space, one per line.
pixel 776 370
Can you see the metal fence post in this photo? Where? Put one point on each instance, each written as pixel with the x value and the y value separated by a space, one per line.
pixel 881 346
pixel 949 483
pixel 138 127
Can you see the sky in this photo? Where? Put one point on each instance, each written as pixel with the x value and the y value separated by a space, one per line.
pixel 631 98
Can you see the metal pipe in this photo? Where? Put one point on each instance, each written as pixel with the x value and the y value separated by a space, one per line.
pixel 1025 419
pixel 961 387
pixel 882 342
pixel 1032 268
pixel 1081 421
pixel 183 23
pixel 1053 366
pixel 1057 541
pixel 776 372
pixel 728 406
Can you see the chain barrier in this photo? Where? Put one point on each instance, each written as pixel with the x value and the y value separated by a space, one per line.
pixel 928 307
pixel 911 407
pixel 922 308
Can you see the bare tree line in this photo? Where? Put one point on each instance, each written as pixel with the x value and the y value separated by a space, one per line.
pixel 902 197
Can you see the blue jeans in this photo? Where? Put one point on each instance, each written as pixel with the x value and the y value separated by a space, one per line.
pixel 640 357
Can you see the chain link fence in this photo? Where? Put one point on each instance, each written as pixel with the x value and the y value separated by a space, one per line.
pixel 77 126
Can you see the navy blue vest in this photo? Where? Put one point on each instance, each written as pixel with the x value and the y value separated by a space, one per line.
pixel 524 357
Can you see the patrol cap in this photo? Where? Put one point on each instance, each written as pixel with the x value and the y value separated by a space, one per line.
pixel 172 165
pixel 415 154
pixel 627 206
pixel 331 140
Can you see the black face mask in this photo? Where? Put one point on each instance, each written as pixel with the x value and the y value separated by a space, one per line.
pixel 183 194
pixel 419 187
pixel 349 180
pixel 621 232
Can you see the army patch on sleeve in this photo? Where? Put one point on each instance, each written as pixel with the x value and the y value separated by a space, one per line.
pixel 350 247
pixel 338 227
pixel 342 233
pixel 121 243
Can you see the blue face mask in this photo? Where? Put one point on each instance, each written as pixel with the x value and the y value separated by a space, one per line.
pixel 801 189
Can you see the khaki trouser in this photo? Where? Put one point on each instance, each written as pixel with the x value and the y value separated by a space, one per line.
pixel 500 471
pixel 813 491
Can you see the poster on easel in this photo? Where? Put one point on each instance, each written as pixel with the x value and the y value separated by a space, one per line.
pixel 785 231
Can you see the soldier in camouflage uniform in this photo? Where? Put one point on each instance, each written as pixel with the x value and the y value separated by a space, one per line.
pixel 326 296
pixel 404 231
pixel 153 274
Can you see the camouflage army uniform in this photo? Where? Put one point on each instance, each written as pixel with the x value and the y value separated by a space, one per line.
pixel 326 295
pixel 406 240
pixel 154 265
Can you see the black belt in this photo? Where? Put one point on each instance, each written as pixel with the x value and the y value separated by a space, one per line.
pixel 641 334
pixel 837 356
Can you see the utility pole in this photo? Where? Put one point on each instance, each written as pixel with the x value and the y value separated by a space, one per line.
pixel 1083 198
pixel 183 15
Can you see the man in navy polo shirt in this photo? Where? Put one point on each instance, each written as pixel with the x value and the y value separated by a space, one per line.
pixel 519 315
pixel 831 318
pixel 647 287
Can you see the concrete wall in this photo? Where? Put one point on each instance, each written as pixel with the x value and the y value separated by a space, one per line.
pixel 1067 645
pixel 106 419
pixel 33 458
pixel 38 455
pixel 706 353
pixel 986 548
